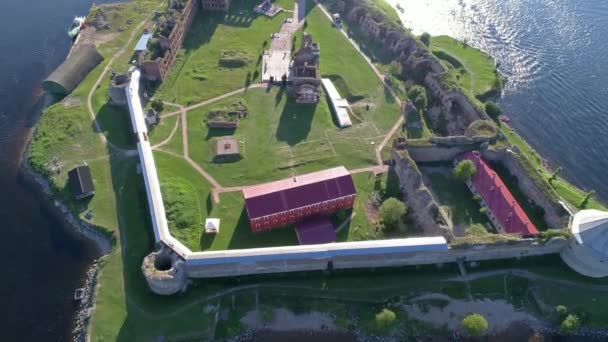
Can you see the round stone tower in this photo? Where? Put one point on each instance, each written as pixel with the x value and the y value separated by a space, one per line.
pixel 118 94
pixel 164 271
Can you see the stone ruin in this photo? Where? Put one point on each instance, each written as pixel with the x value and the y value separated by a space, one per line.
pixel 164 271
pixel 117 90
pixel 304 72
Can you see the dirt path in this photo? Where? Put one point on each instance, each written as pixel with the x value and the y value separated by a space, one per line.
pixel 209 101
pixel 164 142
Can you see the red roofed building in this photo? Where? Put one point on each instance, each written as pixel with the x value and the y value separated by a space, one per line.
pixel 290 200
pixel 503 210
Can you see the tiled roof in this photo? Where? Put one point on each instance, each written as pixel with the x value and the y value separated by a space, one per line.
pixel 498 198
pixel 299 191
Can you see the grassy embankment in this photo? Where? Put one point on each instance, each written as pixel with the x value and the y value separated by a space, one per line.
pixel 477 72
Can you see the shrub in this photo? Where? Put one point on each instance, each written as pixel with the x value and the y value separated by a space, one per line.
pixel 417 95
pixel 483 211
pixel 570 323
pixel 425 38
pixel 493 110
pixel 475 324
pixel 392 211
pixel 476 229
pixel 586 199
pixel 477 198
pixel 464 170
pixel 157 105
pixel 561 311
pixel 385 318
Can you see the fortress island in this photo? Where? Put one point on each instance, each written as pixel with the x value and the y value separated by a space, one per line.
pixel 252 161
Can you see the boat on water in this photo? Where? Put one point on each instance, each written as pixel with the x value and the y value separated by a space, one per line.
pixel 77 25
pixel 504 118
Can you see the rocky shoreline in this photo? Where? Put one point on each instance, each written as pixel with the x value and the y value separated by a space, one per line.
pixel 102 243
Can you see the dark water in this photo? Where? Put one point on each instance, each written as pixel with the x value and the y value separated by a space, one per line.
pixel 553 53
pixel 43 261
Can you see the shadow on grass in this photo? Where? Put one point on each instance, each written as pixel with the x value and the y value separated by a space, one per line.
pixel 295 123
pixel 279 96
pixel 219 132
pixel 115 124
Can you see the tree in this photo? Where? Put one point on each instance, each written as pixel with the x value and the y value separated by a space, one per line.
pixel 392 211
pixel 157 105
pixel 570 323
pixel 554 175
pixel 417 95
pixel 475 324
pixel 493 110
pixel 464 170
pixel 425 38
pixel 586 199
pixel 385 318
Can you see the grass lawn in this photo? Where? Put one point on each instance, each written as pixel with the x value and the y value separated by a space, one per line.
pixel 196 74
pixel 278 136
pixel 477 70
pixel 351 74
pixel 455 195
pixel 163 129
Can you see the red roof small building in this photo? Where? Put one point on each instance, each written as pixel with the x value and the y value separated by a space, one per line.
pixel 290 200
pixel 503 210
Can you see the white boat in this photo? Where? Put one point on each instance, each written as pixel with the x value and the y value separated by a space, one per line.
pixel 77 25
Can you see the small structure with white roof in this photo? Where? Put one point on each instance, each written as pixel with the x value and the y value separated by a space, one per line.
pixel 212 226
pixel 339 105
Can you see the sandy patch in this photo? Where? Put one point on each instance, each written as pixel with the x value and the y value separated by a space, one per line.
pixel 285 320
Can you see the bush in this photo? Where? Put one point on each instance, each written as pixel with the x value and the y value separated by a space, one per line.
pixel 483 210
pixel 157 105
pixel 475 324
pixel 464 170
pixel 417 95
pixel 493 110
pixel 561 311
pixel 586 199
pixel 477 198
pixel 570 323
pixel 476 229
pixel 385 318
pixel 392 212
pixel 426 39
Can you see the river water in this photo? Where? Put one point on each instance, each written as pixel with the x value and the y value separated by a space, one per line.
pixel 44 262
pixel 551 51
pixel 553 55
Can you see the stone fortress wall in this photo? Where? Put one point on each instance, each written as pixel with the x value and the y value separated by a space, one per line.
pixel 168 269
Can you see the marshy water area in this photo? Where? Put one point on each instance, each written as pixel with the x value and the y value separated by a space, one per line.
pixel 45 261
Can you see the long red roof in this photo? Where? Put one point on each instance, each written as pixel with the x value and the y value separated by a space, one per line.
pixel 498 198
pixel 300 191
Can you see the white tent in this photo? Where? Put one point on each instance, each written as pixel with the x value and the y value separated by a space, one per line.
pixel 587 253
pixel 212 225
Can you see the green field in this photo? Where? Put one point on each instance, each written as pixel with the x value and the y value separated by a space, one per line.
pixel 476 70
pixel 197 75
